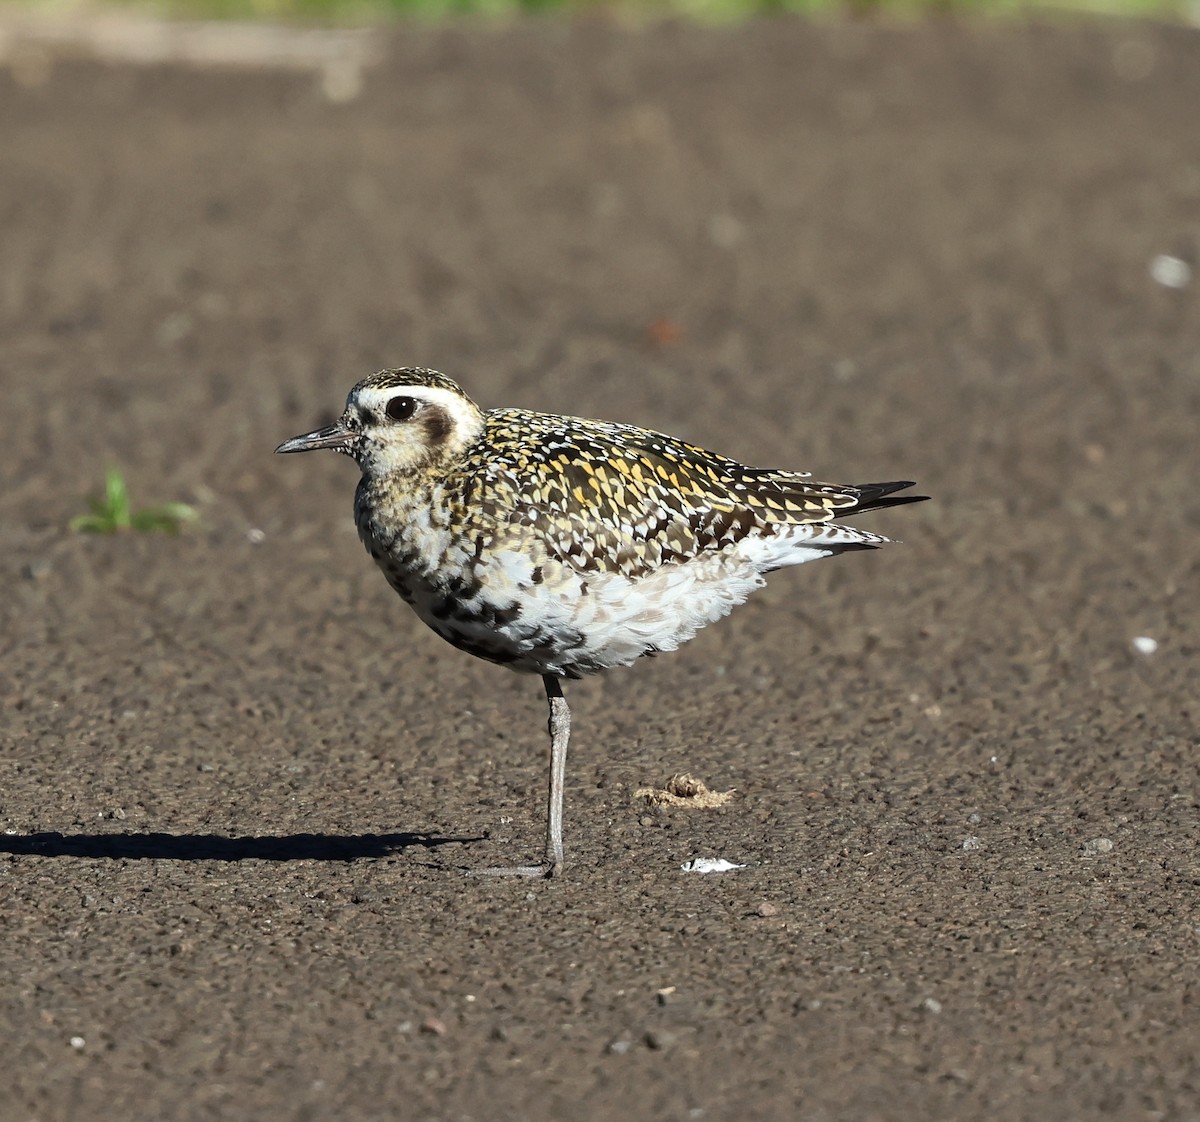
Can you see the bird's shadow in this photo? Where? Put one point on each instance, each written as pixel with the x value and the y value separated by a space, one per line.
pixel 214 847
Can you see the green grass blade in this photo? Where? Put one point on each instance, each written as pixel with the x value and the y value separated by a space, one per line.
pixel 91 523
pixel 116 499
pixel 113 513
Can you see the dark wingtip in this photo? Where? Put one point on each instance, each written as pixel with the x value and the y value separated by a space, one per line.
pixel 876 496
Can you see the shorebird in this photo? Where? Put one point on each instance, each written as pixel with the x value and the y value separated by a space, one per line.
pixel 560 546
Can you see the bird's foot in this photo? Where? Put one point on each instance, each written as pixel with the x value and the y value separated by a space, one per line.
pixel 545 870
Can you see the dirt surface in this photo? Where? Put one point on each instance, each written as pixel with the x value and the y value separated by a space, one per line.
pixel 238 778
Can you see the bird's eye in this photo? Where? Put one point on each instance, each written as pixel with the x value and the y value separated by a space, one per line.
pixel 400 408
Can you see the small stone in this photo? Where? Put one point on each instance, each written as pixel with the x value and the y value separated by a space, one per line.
pixel 972 843
pixel 37 570
pixel 663 332
pixel 1171 272
pixel 173 328
pixel 77 1042
pixel 1144 645
pixel 1099 845
pixel 725 231
pixel 619 1047
pixel 433 1026
pixel 341 81
pixel 932 1005
pixel 658 1040
pixel 765 909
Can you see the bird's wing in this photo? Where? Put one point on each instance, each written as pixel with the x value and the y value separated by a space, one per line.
pixel 602 496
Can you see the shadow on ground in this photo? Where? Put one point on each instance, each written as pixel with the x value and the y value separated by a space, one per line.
pixel 213 847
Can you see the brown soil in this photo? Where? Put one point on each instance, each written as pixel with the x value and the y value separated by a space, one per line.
pixel 238 779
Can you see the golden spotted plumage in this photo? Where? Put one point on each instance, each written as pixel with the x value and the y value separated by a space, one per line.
pixel 621 499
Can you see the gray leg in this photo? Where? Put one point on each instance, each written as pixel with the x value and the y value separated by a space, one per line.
pixel 560 733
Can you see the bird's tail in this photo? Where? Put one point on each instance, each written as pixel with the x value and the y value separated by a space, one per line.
pixel 876 496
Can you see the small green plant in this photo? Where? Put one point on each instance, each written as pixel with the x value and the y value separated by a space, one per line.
pixel 113 514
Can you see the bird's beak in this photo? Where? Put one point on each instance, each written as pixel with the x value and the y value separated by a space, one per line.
pixel 336 436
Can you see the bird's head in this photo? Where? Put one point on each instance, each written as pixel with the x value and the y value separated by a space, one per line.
pixel 399 421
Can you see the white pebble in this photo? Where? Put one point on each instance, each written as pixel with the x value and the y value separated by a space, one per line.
pixel 1171 272
pixel 256 536
pixel 725 231
pixel 709 865
pixel 1099 845
pixel 77 1042
pixel 341 81
pixel 972 843
pixel 1143 644
pixel 933 1005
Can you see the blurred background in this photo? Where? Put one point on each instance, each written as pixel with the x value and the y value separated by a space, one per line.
pixel 716 11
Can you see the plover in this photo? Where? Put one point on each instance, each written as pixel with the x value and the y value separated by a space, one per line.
pixel 560 546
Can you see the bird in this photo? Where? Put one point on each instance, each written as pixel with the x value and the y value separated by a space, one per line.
pixel 563 547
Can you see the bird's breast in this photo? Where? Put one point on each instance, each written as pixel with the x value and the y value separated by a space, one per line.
pixel 503 590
